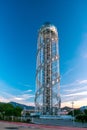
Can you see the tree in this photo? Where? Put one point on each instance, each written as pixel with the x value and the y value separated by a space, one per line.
pixel 82 118
pixel 7 109
pixel 17 111
pixel 76 112
pixel 85 111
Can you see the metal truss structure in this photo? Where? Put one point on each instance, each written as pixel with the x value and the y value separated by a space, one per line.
pixel 47 97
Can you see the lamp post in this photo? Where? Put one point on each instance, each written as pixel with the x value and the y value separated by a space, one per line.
pixel 73 111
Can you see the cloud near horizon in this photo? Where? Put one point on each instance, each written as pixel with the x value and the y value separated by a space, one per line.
pixel 77 94
pixel 76 91
pixel 9 93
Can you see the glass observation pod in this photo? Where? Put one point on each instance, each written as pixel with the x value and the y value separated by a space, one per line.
pixel 47 97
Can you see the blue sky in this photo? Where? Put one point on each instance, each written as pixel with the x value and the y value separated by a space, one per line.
pixel 19 24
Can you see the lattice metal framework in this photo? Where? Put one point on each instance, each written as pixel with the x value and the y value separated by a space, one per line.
pixel 47 98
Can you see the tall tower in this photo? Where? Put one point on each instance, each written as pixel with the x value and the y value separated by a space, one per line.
pixel 47 98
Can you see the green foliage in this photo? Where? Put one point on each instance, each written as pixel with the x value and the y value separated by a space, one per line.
pixel 85 111
pixel 17 111
pixel 7 109
pixel 2 107
pixel 76 112
pixel 81 117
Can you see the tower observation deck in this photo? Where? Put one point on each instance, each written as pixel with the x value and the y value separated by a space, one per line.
pixel 47 97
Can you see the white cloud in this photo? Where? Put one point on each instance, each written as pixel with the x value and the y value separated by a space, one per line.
pixel 74 84
pixel 77 94
pixel 26 85
pixel 24 97
pixel 9 93
pixel 82 81
pixel 27 91
pixel 76 91
pixel 27 96
pixel 18 98
pixel 67 72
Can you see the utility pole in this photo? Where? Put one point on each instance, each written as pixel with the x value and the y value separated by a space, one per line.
pixel 73 111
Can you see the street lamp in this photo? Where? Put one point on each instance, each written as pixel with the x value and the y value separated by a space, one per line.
pixel 73 111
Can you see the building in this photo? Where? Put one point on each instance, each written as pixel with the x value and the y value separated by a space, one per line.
pixel 47 98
